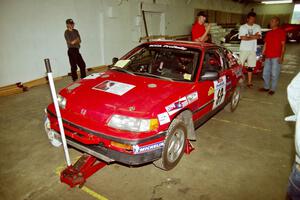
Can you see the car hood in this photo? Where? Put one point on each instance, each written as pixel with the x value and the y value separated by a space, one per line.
pixel 103 94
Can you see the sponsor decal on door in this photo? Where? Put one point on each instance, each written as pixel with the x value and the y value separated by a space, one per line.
pixel 219 91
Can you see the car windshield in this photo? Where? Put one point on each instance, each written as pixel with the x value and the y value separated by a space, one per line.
pixel 168 62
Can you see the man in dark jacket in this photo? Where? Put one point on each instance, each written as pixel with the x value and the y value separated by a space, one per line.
pixel 73 41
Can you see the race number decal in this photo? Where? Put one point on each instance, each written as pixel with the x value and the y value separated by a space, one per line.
pixel 219 91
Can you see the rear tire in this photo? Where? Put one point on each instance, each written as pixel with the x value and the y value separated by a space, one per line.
pixel 174 146
pixel 234 101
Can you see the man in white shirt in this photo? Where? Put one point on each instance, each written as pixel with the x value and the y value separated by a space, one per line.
pixel 293 91
pixel 249 33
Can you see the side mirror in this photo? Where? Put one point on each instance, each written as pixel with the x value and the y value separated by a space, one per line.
pixel 210 76
pixel 114 60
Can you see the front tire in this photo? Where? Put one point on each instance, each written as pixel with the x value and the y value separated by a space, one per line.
pixel 234 101
pixel 174 146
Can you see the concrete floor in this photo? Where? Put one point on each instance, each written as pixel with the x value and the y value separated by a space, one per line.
pixel 243 155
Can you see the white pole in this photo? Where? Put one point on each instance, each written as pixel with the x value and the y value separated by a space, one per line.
pixel 59 118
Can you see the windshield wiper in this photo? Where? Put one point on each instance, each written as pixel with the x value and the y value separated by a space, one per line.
pixel 153 75
pixel 122 70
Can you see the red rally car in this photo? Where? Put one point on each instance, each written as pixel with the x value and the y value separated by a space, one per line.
pixel 146 106
pixel 292 32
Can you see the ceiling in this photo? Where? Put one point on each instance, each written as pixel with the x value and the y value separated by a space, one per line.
pixel 259 1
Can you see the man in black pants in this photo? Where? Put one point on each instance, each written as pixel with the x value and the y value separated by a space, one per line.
pixel 73 41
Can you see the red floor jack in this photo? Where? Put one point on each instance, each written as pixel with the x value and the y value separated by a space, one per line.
pixel 84 167
pixel 87 165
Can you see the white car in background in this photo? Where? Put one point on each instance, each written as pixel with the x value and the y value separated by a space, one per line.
pixel 232 42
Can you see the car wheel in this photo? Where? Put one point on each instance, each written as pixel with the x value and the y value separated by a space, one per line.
pixel 174 146
pixel 235 99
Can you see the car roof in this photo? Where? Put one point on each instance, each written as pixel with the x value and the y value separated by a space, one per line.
pixel 189 44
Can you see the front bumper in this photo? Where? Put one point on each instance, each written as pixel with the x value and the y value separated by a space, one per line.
pixel 103 152
pixel 110 155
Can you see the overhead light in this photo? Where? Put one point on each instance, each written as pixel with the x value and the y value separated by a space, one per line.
pixel 277 2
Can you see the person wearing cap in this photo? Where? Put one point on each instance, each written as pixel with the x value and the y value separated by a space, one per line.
pixel 200 30
pixel 249 33
pixel 73 41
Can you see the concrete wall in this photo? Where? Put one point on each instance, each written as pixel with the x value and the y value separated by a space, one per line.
pixel 266 12
pixel 32 30
pixel 271 9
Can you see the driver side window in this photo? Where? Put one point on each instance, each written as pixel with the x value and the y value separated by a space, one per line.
pixel 212 62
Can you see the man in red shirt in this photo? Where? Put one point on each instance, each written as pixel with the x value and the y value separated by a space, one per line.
pixel 274 52
pixel 199 29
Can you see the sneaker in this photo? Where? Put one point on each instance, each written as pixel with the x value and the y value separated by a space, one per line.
pixel 263 90
pixel 271 92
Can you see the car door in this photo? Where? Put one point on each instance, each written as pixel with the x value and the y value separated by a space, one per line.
pixel 211 92
pixel 233 71
pixel 215 62
pixel 227 72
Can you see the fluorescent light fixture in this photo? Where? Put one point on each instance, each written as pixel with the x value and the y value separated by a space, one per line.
pixel 277 2
pixel 297 8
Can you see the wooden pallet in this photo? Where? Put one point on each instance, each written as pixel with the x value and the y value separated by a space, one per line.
pixel 12 89
pixel 22 87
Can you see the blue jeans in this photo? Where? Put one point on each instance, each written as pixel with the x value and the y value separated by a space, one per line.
pixel 271 73
pixel 294 184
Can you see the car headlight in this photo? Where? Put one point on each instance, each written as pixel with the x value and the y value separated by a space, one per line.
pixel 62 101
pixel 132 124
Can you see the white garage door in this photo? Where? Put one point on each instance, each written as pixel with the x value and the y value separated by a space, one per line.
pixel 155 23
